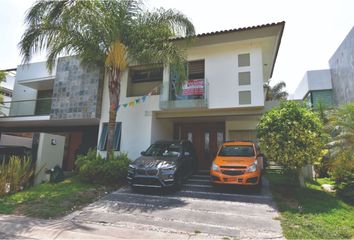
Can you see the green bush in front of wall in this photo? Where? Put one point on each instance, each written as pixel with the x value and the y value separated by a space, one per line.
pixel 15 174
pixel 95 169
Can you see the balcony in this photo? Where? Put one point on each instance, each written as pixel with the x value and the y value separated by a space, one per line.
pixel 194 94
pixel 25 108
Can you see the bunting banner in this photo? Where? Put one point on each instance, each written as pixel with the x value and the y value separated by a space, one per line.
pixel 138 100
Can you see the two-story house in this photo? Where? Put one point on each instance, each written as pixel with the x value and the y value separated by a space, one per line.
pixel 222 99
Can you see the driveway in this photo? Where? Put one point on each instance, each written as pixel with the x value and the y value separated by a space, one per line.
pixel 197 210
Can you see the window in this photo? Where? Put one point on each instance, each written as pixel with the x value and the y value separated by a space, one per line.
pixel 244 60
pixel 244 78
pixel 244 97
pixel 146 74
pixel 102 146
pixel 196 69
pixel 237 151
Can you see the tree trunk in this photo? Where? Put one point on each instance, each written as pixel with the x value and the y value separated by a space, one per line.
pixel 113 75
pixel 301 177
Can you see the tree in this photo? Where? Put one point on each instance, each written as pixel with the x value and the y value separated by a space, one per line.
pixel 342 149
pixel 276 92
pixel 109 33
pixel 291 135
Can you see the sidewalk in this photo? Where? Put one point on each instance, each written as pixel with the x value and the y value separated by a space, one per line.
pixel 18 227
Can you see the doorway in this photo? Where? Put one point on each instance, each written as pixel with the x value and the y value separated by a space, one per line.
pixel 206 138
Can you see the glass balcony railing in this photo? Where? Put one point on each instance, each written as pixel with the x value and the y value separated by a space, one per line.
pixel 32 107
pixel 193 94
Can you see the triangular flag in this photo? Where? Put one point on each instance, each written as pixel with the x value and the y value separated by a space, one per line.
pixel 143 98
pixel 125 105
pixel 131 104
pixel 137 100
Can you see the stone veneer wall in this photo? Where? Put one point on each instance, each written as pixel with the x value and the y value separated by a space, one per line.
pixel 77 90
pixel 342 71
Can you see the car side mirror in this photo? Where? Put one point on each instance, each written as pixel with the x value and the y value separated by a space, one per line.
pixel 143 153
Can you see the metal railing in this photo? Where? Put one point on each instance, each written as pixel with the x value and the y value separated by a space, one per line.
pixel 28 107
pixel 169 100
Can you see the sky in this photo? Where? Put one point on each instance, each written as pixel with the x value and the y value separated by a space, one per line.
pixel 313 31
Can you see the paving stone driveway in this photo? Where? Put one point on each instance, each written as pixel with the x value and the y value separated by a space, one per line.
pixel 197 209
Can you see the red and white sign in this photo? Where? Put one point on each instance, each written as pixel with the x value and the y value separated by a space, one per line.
pixel 193 87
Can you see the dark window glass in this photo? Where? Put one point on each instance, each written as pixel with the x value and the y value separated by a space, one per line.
pixel 164 150
pixel 102 146
pixel 237 151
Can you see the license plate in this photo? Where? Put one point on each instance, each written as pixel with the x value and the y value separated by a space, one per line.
pixel 232 179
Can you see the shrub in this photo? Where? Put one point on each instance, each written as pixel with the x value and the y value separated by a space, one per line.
pixel 291 135
pixel 15 174
pixel 342 150
pixel 95 169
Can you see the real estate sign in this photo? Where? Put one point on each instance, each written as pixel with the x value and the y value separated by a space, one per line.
pixel 193 87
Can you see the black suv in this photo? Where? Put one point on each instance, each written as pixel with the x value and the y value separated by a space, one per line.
pixel 163 164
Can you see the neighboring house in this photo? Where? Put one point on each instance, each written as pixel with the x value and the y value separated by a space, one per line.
pixel 315 89
pixel 6 87
pixel 342 70
pixel 223 98
pixel 334 85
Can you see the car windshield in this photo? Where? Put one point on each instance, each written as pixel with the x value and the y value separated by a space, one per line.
pixel 164 150
pixel 237 151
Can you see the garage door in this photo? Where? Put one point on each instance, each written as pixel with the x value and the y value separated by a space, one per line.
pixel 243 135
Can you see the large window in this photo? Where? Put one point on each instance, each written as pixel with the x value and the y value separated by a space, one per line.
pixel 143 79
pixel 146 74
pixel 102 146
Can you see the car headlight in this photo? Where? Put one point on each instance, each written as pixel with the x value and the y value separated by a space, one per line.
pixel 215 167
pixel 131 168
pixel 253 167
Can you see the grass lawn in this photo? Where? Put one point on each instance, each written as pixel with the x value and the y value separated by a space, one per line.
pixel 51 200
pixel 310 213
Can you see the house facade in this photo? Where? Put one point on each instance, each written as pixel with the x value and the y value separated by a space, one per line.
pixel 342 70
pixel 222 99
pixel 315 89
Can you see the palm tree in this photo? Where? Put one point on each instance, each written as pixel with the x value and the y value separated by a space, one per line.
pixel 110 33
pixel 276 92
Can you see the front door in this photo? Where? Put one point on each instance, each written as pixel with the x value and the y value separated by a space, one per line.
pixel 206 138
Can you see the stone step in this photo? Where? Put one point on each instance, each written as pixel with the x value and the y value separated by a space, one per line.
pixel 199 176
pixel 198 181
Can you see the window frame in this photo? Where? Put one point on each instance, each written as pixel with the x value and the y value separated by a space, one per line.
pixel 102 144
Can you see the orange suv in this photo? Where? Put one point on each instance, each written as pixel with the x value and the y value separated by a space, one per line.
pixel 237 163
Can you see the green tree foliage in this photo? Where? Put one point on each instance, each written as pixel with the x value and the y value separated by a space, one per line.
pixel 110 33
pixel 276 92
pixel 342 150
pixel 291 135
pixel 15 174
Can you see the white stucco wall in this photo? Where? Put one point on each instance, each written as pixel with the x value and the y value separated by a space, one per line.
pixel 34 71
pixel 136 120
pixel 19 93
pixel 221 72
pixel 48 155
pixel 312 81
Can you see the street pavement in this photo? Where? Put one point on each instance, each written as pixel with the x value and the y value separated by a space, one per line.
pixel 197 211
